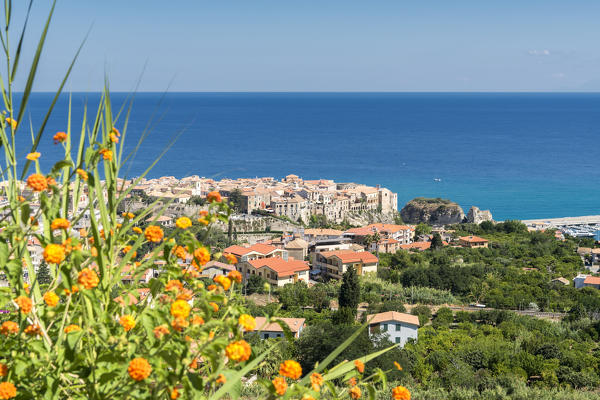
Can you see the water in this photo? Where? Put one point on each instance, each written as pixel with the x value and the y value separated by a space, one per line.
pixel 519 155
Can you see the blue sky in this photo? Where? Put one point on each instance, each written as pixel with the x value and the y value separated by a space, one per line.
pixel 334 45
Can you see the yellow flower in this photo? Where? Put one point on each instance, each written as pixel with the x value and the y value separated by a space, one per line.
pixel 400 393
pixel 137 230
pixel 72 328
pixel 37 182
pixel 355 392
pixel 154 234
pixel 60 223
pixel 223 281
pixel 24 303
pixel 397 365
pixel 54 253
pixel 139 369
pixel 51 299
pixel 106 154
pixel 88 278
pixel 33 156
pixel 82 174
pixel 280 385
pixel 247 322
pixel 180 308
pixel 183 222
pixel 59 137
pixel 7 390
pixel 3 369
pixel 290 369
pixel 114 138
pixel 360 367
pixel 11 122
pixel 127 322
pixel 316 381
pixel 201 255
pixel 238 351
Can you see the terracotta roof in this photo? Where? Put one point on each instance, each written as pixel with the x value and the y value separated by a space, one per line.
pixel 584 250
pixel 280 266
pixel 416 245
pixel 348 256
pixel 592 280
pixel 393 316
pixel 293 323
pixel 596 251
pixel 322 232
pixel 473 239
pixel 258 247
pixel 218 264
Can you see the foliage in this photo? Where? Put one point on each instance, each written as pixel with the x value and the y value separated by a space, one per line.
pixel 350 290
pixel 423 312
pixel 43 274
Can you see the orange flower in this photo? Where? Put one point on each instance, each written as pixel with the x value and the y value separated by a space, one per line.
pixel 137 230
pixel 197 320
pixel 221 379
pixel 154 234
pixel 82 174
pixel 106 154
pixel 33 156
pixel 72 328
pixel 174 394
pixel 183 222
pixel 9 327
pixel 180 308
pixel 54 253
pixel 355 392
pixel 316 381
pixel 397 365
pixel 180 252
pixel 160 330
pixel 114 138
pixel 203 213
pixel 203 221
pixel 7 390
pixel 24 304
pixel 37 182
pixel 223 281
pixel 60 223
pixel 202 255
pixel 211 287
pixel 127 322
pixel 59 137
pixel 115 131
pixel 139 369
pixel 50 181
pixel 235 276
pixel 32 330
pixel 238 351
pixel 280 385
pixel 3 369
pixel 231 259
pixel 214 306
pixel 247 322
pixel 291 369
pixel 360 367
pixel 194 363
pixel 51 299
pixel 174 284
pixel 213 197
pixel 352 382
pixel 11 122
pixel 88 278
pixel 400 393
pixel 179 323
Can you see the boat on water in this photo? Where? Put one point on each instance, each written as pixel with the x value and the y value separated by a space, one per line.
pixel 437 179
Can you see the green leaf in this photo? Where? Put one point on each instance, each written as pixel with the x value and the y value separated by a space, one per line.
pixel 60 165
pixel 73 338
pixel 347 366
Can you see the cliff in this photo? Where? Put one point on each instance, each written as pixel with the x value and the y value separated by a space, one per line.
pixel 432 211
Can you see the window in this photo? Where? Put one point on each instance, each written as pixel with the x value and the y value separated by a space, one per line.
pixel 398 327
pixel 383 327
pixel 265 336
pixel 397 340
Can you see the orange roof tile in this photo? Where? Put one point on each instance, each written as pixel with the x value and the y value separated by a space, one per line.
pixel 293 323
pixel 280 266
pixel 393 316
pixel 348 256
pixel 473 239
pixel 592 280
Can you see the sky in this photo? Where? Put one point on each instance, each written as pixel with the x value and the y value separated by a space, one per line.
pixel 315 45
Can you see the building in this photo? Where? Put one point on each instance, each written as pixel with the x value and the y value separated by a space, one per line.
pixel 214 268
pixel 297 248
pixel 256 251
pixel 333 264
pixel 582 280
pixel 472 241
pixel 398 327
pixel 313 235
pixel 274 330
pixel 275 270
pixel 403 234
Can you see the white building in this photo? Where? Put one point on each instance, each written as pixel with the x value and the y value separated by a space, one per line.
pixel 274 330
pixel 398 327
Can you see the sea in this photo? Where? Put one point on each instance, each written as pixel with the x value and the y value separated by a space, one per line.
pixel 520 155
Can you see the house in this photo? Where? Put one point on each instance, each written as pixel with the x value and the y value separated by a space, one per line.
pixel 274 330
pixel 275 270
pixel 561 280
pixel 595 256
pixel 398 327
pixel 256 251
pixel 333 264
pixel 385 246
pixel 214 268
pixel 163 220
pixel 312 235
pixel 297 248
pixel 472 241
pixel 592 281
pixel 420 246
pixel 402 233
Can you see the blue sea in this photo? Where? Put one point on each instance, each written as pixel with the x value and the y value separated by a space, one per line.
pixel 520 155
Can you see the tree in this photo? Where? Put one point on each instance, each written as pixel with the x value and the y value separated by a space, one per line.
pixel 350 290
pixel 436 242
pixel 422 229
pixel 255 284
pixel 443 317
pixel 423 312
pixel 236 200
pixel 43 275
pixel 197 201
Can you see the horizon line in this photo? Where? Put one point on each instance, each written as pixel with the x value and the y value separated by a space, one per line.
pixel 337 91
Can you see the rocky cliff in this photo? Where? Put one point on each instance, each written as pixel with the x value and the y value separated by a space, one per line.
pixel 477 216
pixel 432 211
